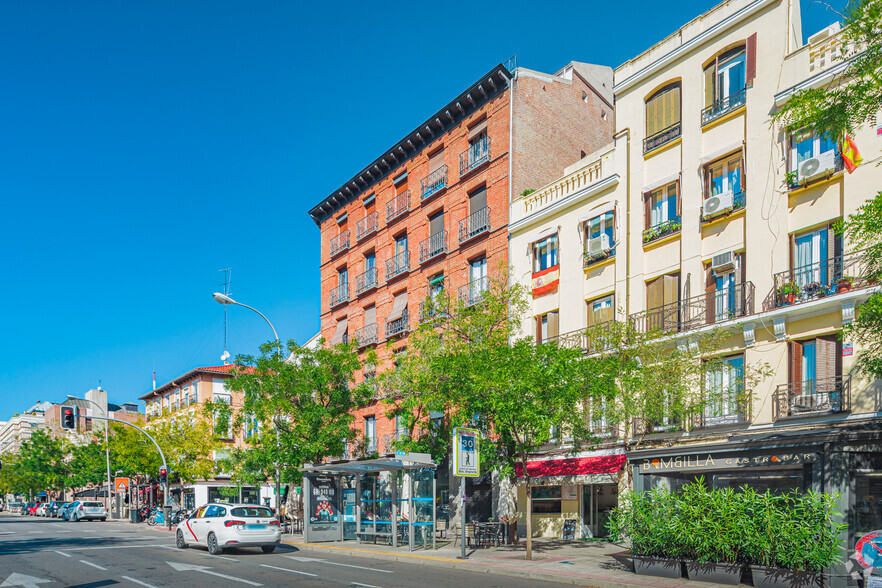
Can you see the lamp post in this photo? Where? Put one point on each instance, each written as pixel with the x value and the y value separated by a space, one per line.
pixel 224 299
pixel 106 451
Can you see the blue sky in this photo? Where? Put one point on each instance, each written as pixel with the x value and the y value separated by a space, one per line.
pixel 146 145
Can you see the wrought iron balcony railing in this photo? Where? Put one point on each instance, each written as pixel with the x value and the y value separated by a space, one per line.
pixel 367 225
pixel 723 106
pixel 366 281
pixel 433 246
pixel 398 206
pixel 473 292
pixel 477 153
pixel 591 340
pixel 399 325
pixel 739 416
pixel 696 312
pixel 812 397
pixel 398 265
pixel 662 230
pixel 661 137
pixel 339 295
pixel 340 243
pixel 476 224
pixel 829 277
pixel 367 335
pixel 434 182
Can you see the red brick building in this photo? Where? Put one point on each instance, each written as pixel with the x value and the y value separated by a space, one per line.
pixel 432 211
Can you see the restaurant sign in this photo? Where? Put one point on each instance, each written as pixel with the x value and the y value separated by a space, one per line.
pixel 709 461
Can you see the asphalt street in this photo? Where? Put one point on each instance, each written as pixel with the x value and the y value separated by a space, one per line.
pixel 39 551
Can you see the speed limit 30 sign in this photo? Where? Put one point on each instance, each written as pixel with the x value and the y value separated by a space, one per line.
pixel 466 460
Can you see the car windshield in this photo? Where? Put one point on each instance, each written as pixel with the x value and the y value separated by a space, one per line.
pixel 252 511
pixel 92 504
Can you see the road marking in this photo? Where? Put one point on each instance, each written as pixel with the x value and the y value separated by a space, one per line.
pixel 333 563
pixel 22 580
pixel 365 585
pixel 287 570
pixel 139 582
pixel 182 567
pixel 63 553
pixel 88 563
pixel 111 547
pixel 217 556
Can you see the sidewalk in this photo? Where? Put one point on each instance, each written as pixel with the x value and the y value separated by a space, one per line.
pixel 580 563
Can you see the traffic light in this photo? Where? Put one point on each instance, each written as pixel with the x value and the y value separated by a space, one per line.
pixel 68 418
pixel 163 474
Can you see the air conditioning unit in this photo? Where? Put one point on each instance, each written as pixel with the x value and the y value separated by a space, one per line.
pixel 804 402
pixel 719 204
pixel 599 246
pixel 816 166
pixel 722 263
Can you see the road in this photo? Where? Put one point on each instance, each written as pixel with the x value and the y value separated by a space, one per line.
pixel 40 551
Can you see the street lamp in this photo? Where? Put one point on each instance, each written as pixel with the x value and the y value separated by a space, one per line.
pixel 106 451
pixel 224 299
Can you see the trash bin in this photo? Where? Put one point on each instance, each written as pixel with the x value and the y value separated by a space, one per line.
pixel 134 516
pixel 166 515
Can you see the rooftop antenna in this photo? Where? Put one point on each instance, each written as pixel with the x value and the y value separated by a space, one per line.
pixel 228 278
pixel 154 374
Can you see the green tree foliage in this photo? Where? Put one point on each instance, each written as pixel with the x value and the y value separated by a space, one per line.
pixel 864 232
pixel 132 452
pixel 856 98
pixel 41 463
pixel 189 440
pixel 86 465
pixel 297 405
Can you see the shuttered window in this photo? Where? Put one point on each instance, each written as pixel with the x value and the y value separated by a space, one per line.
pixel 663 109
pixel 662 296
pixel 547 326
pixel 601 310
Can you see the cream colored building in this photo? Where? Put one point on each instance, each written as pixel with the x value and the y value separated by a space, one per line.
pixel 721 219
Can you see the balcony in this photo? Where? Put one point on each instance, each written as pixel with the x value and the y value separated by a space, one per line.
pixel 433 183
pixel 433 246
pixel 399 325
pixel 367 335
pixel 818 280
pixel 477 153
pixel 723 106
pixel 662 230
pixel 398 265
pixel 812 397
pixel 367 225
pixel 339 295
pixel 473 292
pixel 591 340
pixel 476 224
pixel 709 420
pixel 430 310
pixel 696 312
pixel 661 137
pixel 738 203
pixel 340 243
pixel 398 206
pixel 366 281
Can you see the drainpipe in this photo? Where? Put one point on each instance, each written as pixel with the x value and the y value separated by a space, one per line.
pixel 511 89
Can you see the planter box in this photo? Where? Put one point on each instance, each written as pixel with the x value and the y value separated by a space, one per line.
pixel 764 577
pixel 656 566
pixel 718 573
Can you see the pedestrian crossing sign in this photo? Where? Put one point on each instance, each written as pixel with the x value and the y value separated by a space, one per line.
pixel 466 458
pixel 121 484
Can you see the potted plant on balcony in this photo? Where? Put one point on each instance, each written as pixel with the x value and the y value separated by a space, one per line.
pixel 791 178
pixel 844 284
pixel 787 293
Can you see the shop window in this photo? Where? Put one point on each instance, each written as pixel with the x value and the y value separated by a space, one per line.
pixel 867 504
pixel 546 499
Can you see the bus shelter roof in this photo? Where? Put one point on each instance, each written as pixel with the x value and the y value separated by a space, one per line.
pixel 400 461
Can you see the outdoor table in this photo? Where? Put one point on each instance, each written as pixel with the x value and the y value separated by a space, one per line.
pixel 486 532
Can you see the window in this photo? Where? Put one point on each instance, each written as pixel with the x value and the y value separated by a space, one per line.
pixel 547 327
pixel 436 287
pixel 342 222
pixel 661 205
pixel 400 244
pixel 546 499
pixel 724 292
pixel 251 427
pixel 724 175
pixel 342 277
pixel 662 303
pixel 597 247
pixel 370 433
pixel 815 370
pixel 194 393
pixel 724 385
pixel 725 78
pixel 545 254
pixel 807 145
pixel 478 271
pixel 663 111
pixel 810 255
pixel 601 310
pixel 400 428
pixel 370 204
pixel 436 224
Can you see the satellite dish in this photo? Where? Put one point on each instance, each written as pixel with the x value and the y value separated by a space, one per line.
pixel 225 356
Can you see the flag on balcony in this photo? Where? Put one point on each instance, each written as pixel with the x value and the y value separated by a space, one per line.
pixel 851 157
pixel 546 280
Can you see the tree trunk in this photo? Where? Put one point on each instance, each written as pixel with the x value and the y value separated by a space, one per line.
pixel 529 515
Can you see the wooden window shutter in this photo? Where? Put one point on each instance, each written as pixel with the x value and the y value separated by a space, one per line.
pixel 538 329
pixel 647 215
pixel 436 160
pixel 591 318
pixel 710 77
pixel 710 290
pixel 794 375
pixel 827 354
pixel 608 314
pixel 751 58
pixel 651 125
pixel 676 188
pixel 675 106
pixel 655 293
pixel 672 289
pixel 553 324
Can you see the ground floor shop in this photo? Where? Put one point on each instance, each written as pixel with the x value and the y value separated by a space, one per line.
pixel 843 461
pixel 192 495
pixel 571 495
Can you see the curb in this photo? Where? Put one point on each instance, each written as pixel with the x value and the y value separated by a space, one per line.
pixel 444 562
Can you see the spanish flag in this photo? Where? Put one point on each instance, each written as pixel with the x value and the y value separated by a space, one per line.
pixel 851 157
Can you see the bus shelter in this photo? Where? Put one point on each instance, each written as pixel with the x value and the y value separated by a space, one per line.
pixel 389 498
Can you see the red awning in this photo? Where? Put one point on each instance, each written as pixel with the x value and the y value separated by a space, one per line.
pixel 573 466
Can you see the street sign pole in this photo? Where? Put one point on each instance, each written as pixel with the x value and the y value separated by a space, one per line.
pixel 462 520
pixel 466 464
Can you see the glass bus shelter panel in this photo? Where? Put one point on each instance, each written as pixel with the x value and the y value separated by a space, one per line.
pixel 422 518
pixel 323 507
pixel 349 506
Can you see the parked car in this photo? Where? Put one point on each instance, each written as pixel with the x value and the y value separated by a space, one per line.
pixel 52 509
pixel 64 514
pixel 15 507
pixel 32 508
pixel 87 510
pixel 41 510
pixel 217 526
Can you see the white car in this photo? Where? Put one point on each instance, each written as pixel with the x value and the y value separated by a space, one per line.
pixel 217 526
pixel 41 510
pixel 85 510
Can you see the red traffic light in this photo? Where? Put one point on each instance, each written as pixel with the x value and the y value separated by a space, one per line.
pixel 68 419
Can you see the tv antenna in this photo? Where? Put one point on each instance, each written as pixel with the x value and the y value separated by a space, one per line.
pixel 228 279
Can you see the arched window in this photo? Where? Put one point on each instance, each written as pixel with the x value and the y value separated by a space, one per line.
pixel 663 116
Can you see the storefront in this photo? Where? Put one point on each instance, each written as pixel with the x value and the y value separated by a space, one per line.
pixel 581 489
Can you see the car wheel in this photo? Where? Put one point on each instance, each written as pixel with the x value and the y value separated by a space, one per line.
pixel 213 547
pixel 103 519
pixel 179 540
pixel 268 548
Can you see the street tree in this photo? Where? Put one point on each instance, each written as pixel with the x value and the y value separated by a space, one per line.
pixel 189 440
pixel 41 462
pixel 132 452
pixel 86 465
